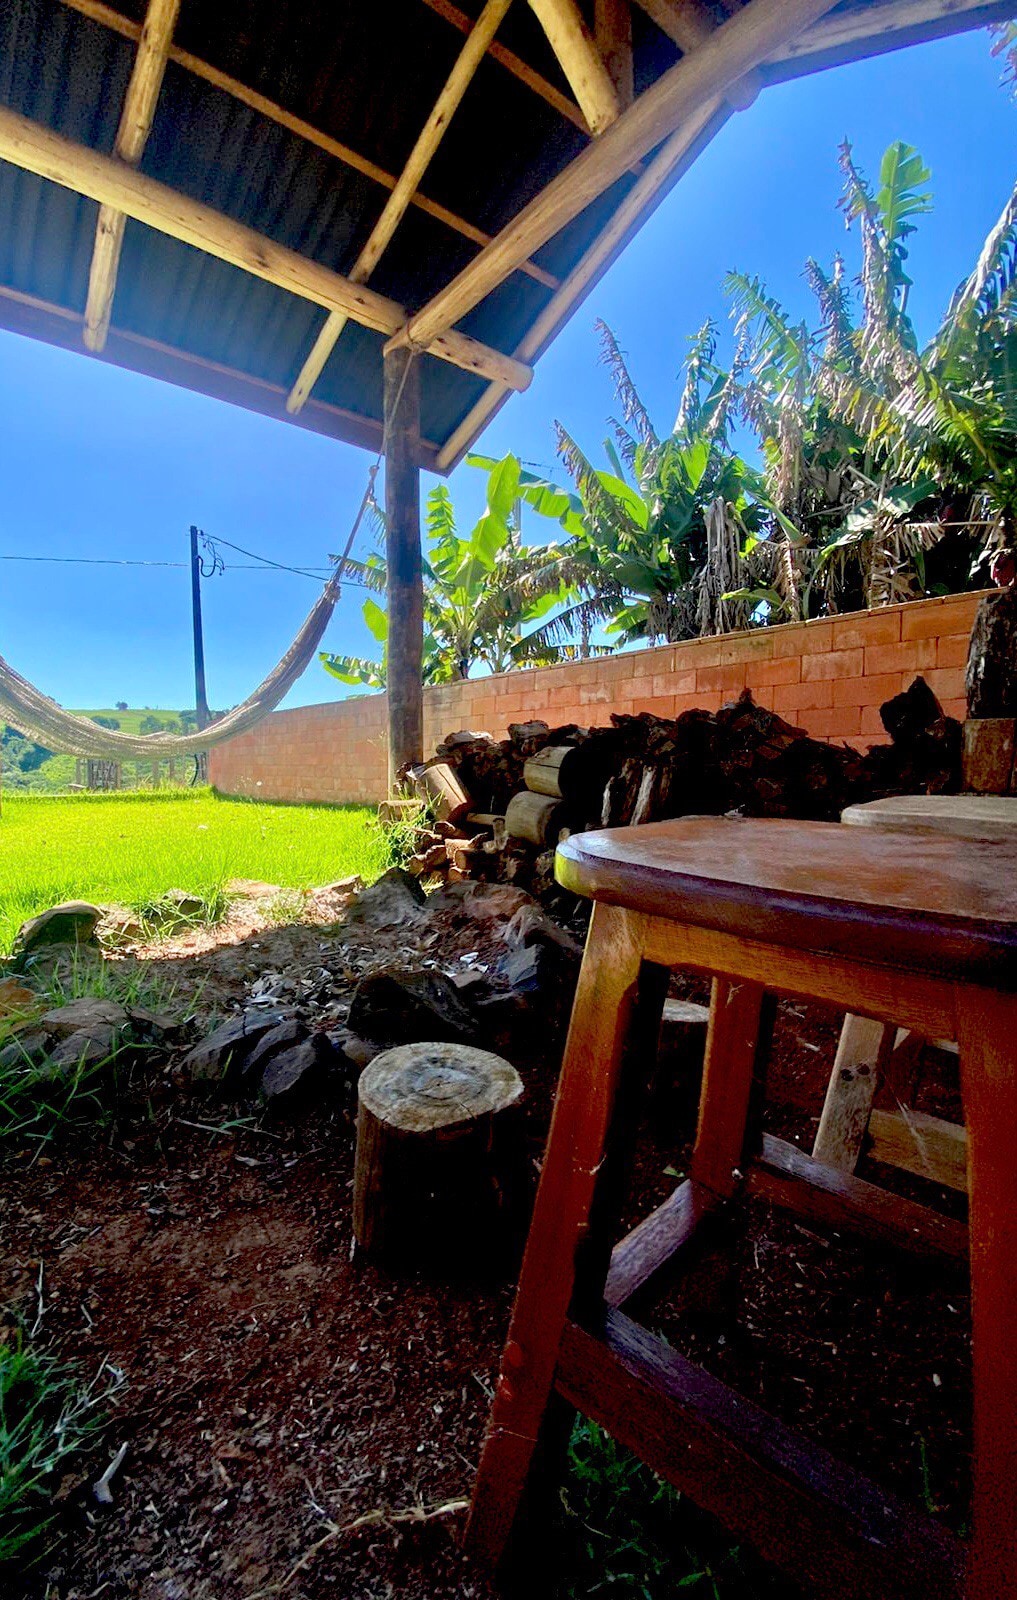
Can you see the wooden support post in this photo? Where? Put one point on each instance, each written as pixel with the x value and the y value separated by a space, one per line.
pixel 403 560
pixel 612 28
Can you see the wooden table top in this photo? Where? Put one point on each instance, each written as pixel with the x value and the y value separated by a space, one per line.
pixel 965 816
pixel 917 900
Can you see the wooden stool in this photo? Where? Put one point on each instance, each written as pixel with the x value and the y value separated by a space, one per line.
pixel 920 929
pixel 870 1053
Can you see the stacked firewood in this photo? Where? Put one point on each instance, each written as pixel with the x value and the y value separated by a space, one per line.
pixel 498 808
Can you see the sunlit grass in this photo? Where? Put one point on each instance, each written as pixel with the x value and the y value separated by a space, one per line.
pixel 130 848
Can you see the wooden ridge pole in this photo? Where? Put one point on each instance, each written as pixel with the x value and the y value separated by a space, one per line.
pixel 396 205
pixel 132 136
pixel 404 566
pixel 97 11
pixel 33 148
pixel 736 47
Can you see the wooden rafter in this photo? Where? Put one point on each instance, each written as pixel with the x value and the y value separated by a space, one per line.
pixel 634 209
pixel 736 47
pixel 689 24
pixel 612 29
pixel 431 135
pixel 887 25
pixel 581 61
pixel 514 64
pixel 135 124
pixel 107 17
pixel 33 148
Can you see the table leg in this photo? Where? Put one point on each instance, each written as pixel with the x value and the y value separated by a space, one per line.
pixel 581 1128
pixel 734 1049
pixel 987 1035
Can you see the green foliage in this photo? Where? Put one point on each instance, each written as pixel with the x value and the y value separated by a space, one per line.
pixel 129 849
pixel 49 1415
pixel 482 592
pixel 624 1533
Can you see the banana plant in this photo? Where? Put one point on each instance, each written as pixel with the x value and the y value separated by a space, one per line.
pixel 482 590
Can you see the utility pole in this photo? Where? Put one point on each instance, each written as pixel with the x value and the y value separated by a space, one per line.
pixel 200 697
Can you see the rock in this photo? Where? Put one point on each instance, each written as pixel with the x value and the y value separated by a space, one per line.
pixel 176 905
pixel 224 1052
pixel 294 1072
pixel 87 1047
pixel 252 889
pixel 281 1037
pixel 27 1048
pixel 150 1026
pixel 402 1006
pixel 15 999
pixel 84 1015
pixel 349 886
pixel 493 901
pixel 505 1021
pixel 60 964
pixel 358 1052
pixel 396 897
pixel 545 975
pixel 74 922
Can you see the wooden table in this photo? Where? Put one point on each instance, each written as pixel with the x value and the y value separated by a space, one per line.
pixel 918 928
pixel 871 1052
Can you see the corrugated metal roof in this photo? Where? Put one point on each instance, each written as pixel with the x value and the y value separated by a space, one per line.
pixel 367 75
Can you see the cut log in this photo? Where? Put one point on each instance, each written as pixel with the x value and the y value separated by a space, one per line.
pixel 427 1184
pixel 988 755
pixel 536 818
pixel 440 786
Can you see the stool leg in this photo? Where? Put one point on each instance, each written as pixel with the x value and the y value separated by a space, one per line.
pixel 733 1057
pixel 580 1129
pixel 987 1035
pixel 851 1091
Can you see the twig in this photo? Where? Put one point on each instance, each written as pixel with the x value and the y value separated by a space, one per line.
pixel 378 1518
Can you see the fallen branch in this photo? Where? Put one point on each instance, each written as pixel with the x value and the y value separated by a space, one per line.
pixel 380 1517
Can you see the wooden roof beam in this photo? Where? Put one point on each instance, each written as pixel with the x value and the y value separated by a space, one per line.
pixel 514 64
pixel 612 29
pixel 581 61
pixel 110 182
pixel 689 24
pixel 889 25
pixel 637 204
pixel 396 205
pixel 107 17
pixel 735 48
pixel 132 135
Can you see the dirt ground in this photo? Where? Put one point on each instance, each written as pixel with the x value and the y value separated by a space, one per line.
pixel 300 1423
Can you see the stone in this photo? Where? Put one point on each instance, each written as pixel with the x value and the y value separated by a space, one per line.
pixel 252 889
pixel 224 1052
pixel 403 1006
pixel 294 1072
pixel 176 905
pixel 357 1051
pixel 542 973
pixel 15 999
pixel 489 902
pixel 395 898
pixel 73 922
pixel 86 1015
pixel 27 1047
pixel 281 1037
pixel 87 1047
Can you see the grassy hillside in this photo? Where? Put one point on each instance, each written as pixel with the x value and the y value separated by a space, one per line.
pixel 25 768
pixel 130 849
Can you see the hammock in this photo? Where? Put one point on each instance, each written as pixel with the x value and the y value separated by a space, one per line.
pixel 39 718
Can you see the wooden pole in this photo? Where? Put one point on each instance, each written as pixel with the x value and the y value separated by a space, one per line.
pixel 34 148
pixel 736 47
pixel 580 60
pixel 403 560
pixel 132 135
pixel 200 697
pixel 396 205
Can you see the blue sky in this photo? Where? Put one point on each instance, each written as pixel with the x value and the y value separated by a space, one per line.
pixel 98 462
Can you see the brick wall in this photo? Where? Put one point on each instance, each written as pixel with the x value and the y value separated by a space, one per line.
pixel 829 677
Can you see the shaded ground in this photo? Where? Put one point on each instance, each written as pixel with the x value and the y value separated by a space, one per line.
pixel 289 1410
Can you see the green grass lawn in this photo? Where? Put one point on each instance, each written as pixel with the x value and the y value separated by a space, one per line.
pixel 131 848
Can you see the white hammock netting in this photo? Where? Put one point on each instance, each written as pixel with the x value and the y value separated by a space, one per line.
pixel 39 718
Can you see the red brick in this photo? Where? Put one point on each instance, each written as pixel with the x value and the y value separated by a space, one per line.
pixel 802 696
pixel 659 705
pixel 860 628
pixel 840 722
pixel 953 651
pixel 946 684
pixel 719 679
pixel 867 691
pixel 929 619
pixel 833 664
pixel 916 655
pixel 766 674
pixel 871 722
pixel 801 639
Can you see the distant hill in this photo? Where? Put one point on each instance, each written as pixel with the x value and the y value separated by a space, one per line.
pixel 27 766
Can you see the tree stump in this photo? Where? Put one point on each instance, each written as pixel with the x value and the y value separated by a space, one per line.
pixel 428 1188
